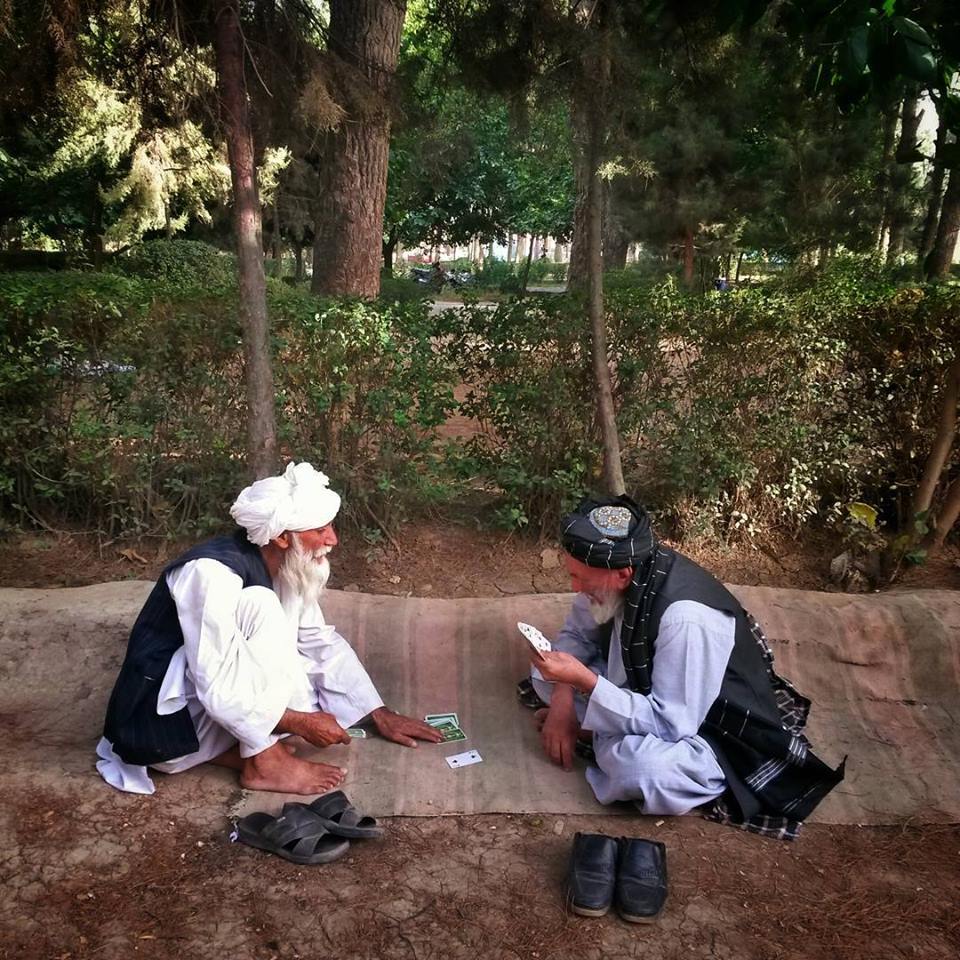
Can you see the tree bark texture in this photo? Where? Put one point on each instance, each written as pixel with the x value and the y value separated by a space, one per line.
pixel 941 256
pixel 942 442
pixel 616 243
pixel 578 271
pixel 526 267
pixel 885 174
pixel 231 86
pixel 688 259
pixel 901 177
pixel 934 199
pixel 364 37
pixel 947 517
pixel 589 101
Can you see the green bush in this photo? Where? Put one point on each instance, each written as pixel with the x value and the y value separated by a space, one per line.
pixel 185 263
pixel 122 401
pixel 768 406
pixel 402 289
pixel 361 387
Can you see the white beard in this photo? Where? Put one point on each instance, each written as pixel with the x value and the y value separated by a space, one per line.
pixel 301 579
pixel 608 608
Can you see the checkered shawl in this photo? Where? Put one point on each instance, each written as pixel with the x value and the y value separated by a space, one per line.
pixel 794 709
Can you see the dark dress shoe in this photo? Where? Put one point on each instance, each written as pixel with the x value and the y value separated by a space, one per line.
pixel 593 871
pixel 641 888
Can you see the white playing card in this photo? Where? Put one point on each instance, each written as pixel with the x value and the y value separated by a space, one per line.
pixel 534 637
pixel 463 759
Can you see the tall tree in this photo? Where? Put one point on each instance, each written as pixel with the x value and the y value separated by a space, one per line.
pixel 363 43
pixel 231 84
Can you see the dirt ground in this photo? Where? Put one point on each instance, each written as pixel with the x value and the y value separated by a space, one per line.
pixel 440 559
pixel 118 878
pixel 468 887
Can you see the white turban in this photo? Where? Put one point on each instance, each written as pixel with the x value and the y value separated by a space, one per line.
pixel 300 499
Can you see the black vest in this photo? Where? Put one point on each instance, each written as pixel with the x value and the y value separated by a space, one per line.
pixel 769 770
pixel 137 732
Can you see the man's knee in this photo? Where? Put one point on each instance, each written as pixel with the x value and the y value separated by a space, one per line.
pixel 258 608
pixel 668 778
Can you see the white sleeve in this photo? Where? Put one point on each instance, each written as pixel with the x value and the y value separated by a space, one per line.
pixel 226 670
pixel 693 647
pixel 343 686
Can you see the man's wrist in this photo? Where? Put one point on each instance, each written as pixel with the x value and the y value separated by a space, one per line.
pixel 587 684
pixel 289 723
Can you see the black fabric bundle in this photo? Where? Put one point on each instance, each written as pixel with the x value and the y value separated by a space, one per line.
pixel 613 533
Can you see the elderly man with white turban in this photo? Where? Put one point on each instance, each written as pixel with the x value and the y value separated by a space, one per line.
pixel 231 653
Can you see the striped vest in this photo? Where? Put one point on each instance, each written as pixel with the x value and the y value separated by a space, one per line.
pixel 139 734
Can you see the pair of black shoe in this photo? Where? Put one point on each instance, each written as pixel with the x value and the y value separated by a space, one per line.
pixel 630 874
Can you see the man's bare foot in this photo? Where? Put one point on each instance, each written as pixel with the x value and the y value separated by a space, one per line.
pixel 278 770
pixel 231 758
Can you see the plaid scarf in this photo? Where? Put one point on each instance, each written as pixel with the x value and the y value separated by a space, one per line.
pixel 794 708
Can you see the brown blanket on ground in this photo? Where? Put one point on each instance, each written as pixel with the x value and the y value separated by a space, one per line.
pixel 882 672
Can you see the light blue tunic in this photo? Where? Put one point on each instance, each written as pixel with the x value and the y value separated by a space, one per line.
pixel 647 748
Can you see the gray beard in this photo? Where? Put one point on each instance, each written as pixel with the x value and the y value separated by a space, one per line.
pixel 607 609
pixel 300 580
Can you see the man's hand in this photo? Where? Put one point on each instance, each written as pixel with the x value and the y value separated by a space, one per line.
pixel 320 729
pixel 403 730
pixel 559 733
pixel 564 668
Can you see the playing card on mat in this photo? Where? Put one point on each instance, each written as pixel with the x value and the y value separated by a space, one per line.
pixel 434 718
pixel 463 759
pixel 450 731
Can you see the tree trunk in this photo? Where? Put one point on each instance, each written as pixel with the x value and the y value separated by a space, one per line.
pixel 615 254
pixel 901 178
pixel 231 86
pixel 941 256
pixel 364 36
pixel 589 101
pixel 275 234
pixel 389 248
pixel 526 267
pixel 942 442
pixel 298 253
pixel 947 518
pixel 739 265
pixel 688 264
pixel 886 169
pixel 615 239
pixel 934 198
pixel 95 230
pixel 578 270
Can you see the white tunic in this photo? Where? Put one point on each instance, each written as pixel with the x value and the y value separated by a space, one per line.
pixel 241 666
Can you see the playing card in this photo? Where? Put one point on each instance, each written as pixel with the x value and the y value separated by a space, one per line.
pixel 534 637
pixel 357 733
pixel 434 718
pixel 463 759
pixel 450 731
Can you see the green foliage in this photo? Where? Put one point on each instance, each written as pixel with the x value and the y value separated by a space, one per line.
pixel 184 263
pixel 121 400
pixel 361 388
pixel 776 405
pixel 402 289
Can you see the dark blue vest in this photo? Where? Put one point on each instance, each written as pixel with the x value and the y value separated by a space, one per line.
pixel 137 732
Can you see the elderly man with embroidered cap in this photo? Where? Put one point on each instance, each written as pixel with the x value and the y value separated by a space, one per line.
pixel 675 682
pixel 231 652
